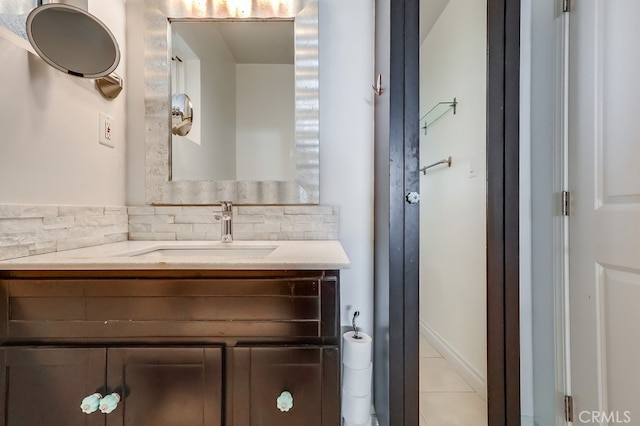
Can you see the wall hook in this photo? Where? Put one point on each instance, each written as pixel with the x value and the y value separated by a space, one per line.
pixel 377 87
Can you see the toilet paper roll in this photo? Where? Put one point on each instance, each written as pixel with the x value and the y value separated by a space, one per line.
pixel 357 382
pixel 356 353
pixel 356 409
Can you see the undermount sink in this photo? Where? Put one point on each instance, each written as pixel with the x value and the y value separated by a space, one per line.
pixel 213 251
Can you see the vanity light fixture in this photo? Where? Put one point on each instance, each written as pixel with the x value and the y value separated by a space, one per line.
pixel 72 40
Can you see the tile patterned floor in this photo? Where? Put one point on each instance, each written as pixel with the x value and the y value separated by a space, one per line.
pixel 445 398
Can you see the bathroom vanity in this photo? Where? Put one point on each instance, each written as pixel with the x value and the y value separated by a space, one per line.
pixel 181 339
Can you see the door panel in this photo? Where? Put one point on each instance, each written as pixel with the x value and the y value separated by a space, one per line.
pixel 620 317
pixel 44 386
pixel 617 147
pixel 604 223
pixel 166 386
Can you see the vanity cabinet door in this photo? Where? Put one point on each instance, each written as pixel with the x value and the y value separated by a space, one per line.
pixel 166 386
pixel 260 375
pixel 45 386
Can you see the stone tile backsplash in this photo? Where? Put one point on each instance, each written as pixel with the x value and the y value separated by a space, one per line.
pixel 26 230
pixel 249 223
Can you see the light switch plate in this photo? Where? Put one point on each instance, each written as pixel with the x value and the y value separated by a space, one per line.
pixel 106 130
pixel 473 167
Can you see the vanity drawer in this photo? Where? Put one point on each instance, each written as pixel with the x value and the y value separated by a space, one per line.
pixel 226 306
pixel 262 374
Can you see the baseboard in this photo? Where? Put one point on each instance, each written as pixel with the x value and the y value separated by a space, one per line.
pixel 530 420
pixel 462 367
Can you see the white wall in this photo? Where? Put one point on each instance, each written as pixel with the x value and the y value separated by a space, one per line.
pixel 346 142
pixel 346 135
pixel 265 122
pixel 526 327
pixel 452 213
pixel 542 370
pixel 545 36
pixel 49 151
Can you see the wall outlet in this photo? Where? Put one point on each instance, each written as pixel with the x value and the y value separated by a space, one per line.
pixel 105 130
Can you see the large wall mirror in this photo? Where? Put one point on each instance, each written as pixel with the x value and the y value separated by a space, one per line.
pixel 250 68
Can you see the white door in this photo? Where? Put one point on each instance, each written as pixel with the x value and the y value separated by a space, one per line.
pixel 604 180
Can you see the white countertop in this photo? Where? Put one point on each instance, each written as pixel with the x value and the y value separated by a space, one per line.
pixel 128 255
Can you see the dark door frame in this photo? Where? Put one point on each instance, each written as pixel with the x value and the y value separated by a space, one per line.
pixel 503 198
pixel 399 294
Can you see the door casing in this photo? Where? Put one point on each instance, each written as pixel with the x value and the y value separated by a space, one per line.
pixel 397 222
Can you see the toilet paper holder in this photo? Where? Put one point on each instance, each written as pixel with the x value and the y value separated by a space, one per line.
pixel 356 314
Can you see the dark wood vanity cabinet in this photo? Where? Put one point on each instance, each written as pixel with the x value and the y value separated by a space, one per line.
pixel 182 348
pixel 161 386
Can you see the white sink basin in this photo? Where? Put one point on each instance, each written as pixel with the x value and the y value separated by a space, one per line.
pixel 215 251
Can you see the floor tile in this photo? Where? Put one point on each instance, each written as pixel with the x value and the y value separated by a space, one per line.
pixel 453 409
pixel 426 350
pixel 436 375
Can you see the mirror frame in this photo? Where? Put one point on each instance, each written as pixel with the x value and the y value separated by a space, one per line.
pixel 160 189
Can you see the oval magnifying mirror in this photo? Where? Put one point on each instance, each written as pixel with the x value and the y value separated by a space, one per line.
pixel 181 114
pixel 72 40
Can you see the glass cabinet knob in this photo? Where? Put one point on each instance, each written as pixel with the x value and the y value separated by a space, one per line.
pixel 285 401
pixel 90 403
pixel 109 403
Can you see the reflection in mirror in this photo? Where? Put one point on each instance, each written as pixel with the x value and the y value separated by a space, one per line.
pixel 241 74
pixel 298 181
pixel 181 114
pixel 13 15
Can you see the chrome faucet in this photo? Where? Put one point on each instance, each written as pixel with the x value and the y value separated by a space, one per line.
pixel 226 216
